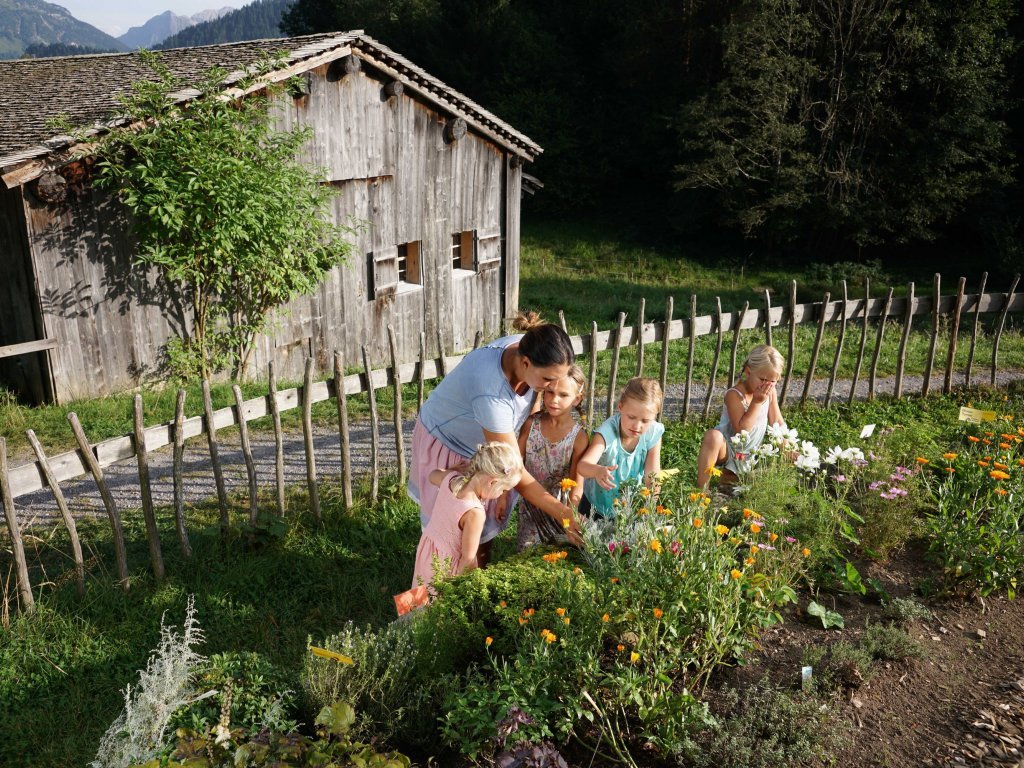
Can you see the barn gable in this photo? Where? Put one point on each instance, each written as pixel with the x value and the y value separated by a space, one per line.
pixel 434 178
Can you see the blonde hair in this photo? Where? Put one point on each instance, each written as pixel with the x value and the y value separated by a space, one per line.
pixel 495 459
pixel 644 391
pixel 764 357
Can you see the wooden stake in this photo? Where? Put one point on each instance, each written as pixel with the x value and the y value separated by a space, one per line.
pixel 640 338
pixel 736 342
pixel 901 356
pixel 930 362
pixel 250 464
pixel 307 439
pixel 689 355
pixel 69 520
pixel 342 401
pixel 974 331
pixel 399 436
pixel 89 459
pixel 616 352
pixel 839 348
pixel 767 318
pixel 374 429
pixel 561 321
pixel 1002 324
pixel 421 374
pixel 954 331
pixel 178 470
pixel 592 377
pixel 478 339
pixel 218 473
pixel 442 359
pixel 28 602
pixel 720 322
pixel 275 413
pixel 156 557
pixel 792 344
pixel 863 340
pixel 817 347
pixel 663 380
pixel 878 345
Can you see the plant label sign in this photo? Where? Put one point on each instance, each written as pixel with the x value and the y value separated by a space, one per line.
pixel 975 415
pixel 868 430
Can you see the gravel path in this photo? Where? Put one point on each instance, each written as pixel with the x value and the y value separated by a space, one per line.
pixel 38 509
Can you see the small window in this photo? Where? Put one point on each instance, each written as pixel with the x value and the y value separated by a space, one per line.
pixel 389 269
pixel 464 250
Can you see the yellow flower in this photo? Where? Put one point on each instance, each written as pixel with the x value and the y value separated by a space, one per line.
pixel 747 513
pixel 706 501
pixel 658 613
pixel 643 511
pixel 754 549
pixel 755 528
pixel 565 620
pixel 634 657
pixel 749 561
pixel 655 545
pixel 736 574
pixel 996 474
pixel 805 552
pixel 697 522
pixel 1001 491
pixel 606 618
pixel 694 496
pixel 567 484
pixel 714 471
pixel 488 640
pixel 922 460
pixel 949 456
pixel 560 611
pixel 721 530
pixel 645 492
pixel 551 637
pixel 566 523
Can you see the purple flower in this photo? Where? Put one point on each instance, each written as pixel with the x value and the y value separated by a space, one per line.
pixel 790 540
pixel 768 547
pixel 899 492
pixel 876 485
pixel 841 478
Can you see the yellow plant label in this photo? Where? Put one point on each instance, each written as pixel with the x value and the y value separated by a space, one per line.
pixel 323 653
pixel 976 415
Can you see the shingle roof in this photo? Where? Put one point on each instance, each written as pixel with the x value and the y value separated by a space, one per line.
pixel 85 88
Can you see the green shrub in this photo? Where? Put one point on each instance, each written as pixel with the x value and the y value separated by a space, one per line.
pixel 386 681
pixel 888 642
pixel 764 727
pixel 904 610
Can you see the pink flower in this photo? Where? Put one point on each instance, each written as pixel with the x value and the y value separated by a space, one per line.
pixel 790 539
pixel 674 546
pixel 611 547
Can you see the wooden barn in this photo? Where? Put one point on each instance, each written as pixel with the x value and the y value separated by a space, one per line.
pixel 435 177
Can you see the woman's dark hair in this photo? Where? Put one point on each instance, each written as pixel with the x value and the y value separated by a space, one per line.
pixel 543 343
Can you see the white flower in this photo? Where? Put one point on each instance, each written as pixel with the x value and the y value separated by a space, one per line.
pixel 766 450
pixel 853 454
pixel 835 453
pixel 740 438
pixel 807 463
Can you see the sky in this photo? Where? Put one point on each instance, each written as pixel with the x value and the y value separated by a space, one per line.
pixel 115 17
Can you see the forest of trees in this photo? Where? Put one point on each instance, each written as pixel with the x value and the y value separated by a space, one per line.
pixel 846 128
pixel 256 21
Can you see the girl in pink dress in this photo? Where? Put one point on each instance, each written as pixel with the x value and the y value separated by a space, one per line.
pixel 451 537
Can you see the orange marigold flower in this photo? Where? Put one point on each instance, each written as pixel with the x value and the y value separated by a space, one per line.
pixel 773 537
pixel 974 439
pixel 697 522
pixel 503 604
pixel 577 571
pixel 750 561
pixel 747 513
pixel 567 484
pixel 1001 491
pixel 997 465
pixel 1005 446
pixel 754 549
pixel 982 463
pixel 990 434
pixel 643 511
pixel 658 613
pixel 986 442
pixel 614 579
pixel 805 552
pixel 645 492
pixel 922 460
pixel 721 530
pixel 755 528
pixel 530 611
pixel 996 474
pixel 560 611
pixel 736 574
pixel 488 640
pixel 620 647
pixel 566 620
pixel 694 496
pixel 949 456
pixel 606 618
pixel 522 621
pixel 1020 462
pixel 551 637
pixel 655 545
pixel 950 470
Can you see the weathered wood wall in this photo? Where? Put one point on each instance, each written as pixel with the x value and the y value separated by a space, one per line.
pixel 399 181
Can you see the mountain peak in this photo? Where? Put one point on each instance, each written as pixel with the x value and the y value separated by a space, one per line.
pixel 162 26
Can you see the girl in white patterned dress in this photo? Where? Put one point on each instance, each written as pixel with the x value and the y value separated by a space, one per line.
pixel 551 442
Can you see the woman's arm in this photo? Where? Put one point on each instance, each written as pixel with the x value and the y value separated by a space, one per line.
pixel 579 447
pixel 472 525
pixel 588 466
pixel 524 434
pixel 533 491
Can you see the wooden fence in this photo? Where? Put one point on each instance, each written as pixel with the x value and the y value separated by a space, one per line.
pixel 49 472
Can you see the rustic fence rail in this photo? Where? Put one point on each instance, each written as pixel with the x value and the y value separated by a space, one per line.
pixel 49 472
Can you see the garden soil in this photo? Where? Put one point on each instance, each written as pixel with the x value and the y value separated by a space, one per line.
pixel 961 704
